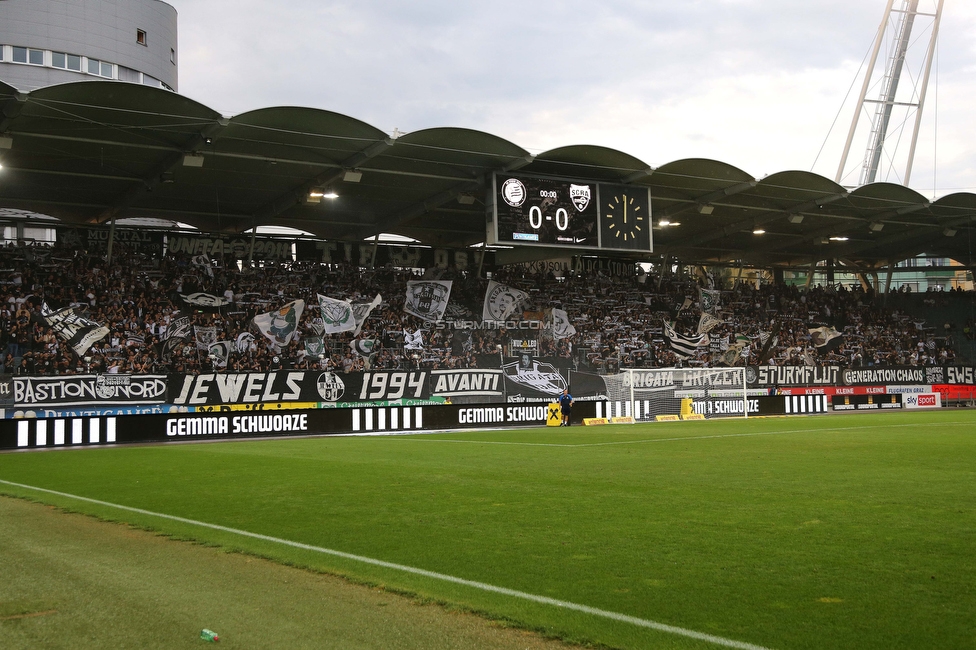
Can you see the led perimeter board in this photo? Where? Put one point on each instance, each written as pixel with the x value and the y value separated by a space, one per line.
pixel 541 211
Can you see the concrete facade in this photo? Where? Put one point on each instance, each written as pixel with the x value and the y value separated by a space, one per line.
pixel 103 31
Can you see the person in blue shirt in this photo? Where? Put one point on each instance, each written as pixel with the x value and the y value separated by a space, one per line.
pixel 565 407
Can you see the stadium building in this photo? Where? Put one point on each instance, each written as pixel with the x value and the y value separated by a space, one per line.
pixel 47 42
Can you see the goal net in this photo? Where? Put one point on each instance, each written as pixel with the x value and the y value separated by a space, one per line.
pixel 646 393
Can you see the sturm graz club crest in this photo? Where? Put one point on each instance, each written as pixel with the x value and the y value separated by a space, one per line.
pixel 513 192
pixel 580 195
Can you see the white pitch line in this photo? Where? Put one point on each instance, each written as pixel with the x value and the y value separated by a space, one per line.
pixel 413 438
pixel 483 586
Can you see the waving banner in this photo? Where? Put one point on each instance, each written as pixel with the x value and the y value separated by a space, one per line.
pixel 427 299
pixel 710 299
pixel 205 336
pixel 220 352
pixel 337 315
pixel 364 347
pixel 500 301
pixel 707 323
pixel 361 311
pixel 683 346
pixel 279 326
pixel 79 332
pixel 825 339
pixel 204 301
pixel 561 327
pixel 243 342
pixel 314 347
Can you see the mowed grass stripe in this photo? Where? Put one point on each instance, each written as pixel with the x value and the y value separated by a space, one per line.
pixel 854 538
pixel 594 611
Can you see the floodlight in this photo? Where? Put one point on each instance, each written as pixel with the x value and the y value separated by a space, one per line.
pixel 352 176
pixel 795 218
pixel 706 209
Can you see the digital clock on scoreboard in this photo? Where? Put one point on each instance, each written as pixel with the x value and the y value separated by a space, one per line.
pixel 538 211
pixel 545 211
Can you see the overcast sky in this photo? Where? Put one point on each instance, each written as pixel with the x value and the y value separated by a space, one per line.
pixel 754 83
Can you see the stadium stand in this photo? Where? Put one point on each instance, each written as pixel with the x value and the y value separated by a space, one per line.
pixel 618 320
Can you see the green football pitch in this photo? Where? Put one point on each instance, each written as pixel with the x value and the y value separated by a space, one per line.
pixel 810 532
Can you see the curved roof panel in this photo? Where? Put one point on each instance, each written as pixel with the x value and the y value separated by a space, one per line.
pixel 92 151
pixel 587 161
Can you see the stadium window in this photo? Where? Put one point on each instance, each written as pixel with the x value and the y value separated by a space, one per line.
pixel 20 54
pixel 1 52
pixel 35 57
pixel 59 60
pixel 100 68
pixel 128 74
pixel 74 62
pixel 141 37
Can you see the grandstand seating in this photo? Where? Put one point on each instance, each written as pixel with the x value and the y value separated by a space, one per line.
pixel 618 320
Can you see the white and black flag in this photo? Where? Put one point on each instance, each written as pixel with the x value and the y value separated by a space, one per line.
pixel 204 301
pixel 205 336
pixel 79 332
pixel 427 299
pixel 501 300
pixel 683 346
pixel 707 323
pixel 825 339
pixel 243 342
pixel 220 352
pixel 710 300
pixel 562 328
pixel 361 311
pixel 177 332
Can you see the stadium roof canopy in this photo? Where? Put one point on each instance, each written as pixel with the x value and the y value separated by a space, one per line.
pixel 89 151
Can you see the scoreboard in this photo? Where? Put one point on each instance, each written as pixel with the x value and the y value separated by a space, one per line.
pixel 541 211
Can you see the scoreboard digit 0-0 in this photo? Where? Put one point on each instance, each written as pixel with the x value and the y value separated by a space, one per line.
pixel 539 211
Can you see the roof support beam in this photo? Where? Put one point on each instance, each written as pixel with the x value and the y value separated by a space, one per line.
pixel 420 209
pixel 167 164
pixel 10 110
pixel 295 196
pixel 705 199
pixel 719 233
pixel 446 196
pixel 836 229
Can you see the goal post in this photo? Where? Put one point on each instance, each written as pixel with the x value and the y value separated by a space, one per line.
pixel 646 393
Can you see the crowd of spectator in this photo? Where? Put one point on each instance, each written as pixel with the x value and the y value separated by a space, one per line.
pixel 618 320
